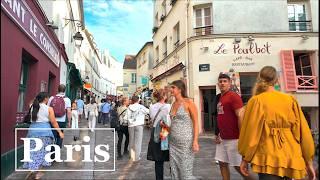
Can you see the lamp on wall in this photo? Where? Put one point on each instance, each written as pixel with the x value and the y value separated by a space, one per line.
pixel 250 38
pixel 77 37
pixel 237 40
pixel 304 37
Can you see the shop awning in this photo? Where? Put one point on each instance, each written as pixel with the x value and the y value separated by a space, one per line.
pixel 172 70
pixel 74 76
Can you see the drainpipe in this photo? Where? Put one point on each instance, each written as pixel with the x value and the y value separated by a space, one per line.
pixel 187 49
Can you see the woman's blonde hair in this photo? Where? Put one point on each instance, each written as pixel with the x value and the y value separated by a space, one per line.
pixel 267 77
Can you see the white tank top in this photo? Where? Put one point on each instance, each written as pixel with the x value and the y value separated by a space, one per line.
pixel 43 114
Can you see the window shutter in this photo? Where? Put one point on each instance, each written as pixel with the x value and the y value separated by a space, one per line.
pixel 289 71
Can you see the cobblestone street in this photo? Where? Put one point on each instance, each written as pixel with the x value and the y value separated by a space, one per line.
pixel 204 167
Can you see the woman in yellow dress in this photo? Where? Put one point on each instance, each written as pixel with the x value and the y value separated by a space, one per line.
pixel 275 137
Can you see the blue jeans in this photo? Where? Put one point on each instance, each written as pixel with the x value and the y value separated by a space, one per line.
pixel 57 139
pixel 105 118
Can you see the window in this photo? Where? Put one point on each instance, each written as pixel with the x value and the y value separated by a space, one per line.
pixel 133 77
pixel 164 11
pixel 298 17
pixel 304 71
pixel 176 35
pixel 203 21
pixel 157 55
pixel 156 20
pixel 298 72
pixel 247 81
pixel 164 45
pixel 23 85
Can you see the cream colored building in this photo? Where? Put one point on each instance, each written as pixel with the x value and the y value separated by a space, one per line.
pixel 129 75
pixel 196 40
pixel 144 66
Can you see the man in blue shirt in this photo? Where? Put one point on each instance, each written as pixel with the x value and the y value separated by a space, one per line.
pixel 105 109
pixel 80 106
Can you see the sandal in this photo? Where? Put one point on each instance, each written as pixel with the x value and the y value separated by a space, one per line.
pixel 39 175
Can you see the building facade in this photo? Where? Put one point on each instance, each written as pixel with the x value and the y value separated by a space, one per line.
pixel 129 76
pixel 193 42
pixel 31 57
pixel 144 69
pixel 66 18
pixel 111 70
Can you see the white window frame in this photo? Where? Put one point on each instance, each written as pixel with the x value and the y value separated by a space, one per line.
pixel 307 12
pixel 165 47
pixel 176 34
pixel 202 15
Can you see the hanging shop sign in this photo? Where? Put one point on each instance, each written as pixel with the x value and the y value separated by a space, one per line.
pixel 87 86
pixel 21 14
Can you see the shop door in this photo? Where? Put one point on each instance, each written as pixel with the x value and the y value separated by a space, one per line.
pixel 208 97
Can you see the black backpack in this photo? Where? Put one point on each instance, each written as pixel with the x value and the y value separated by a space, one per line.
pixel 114 123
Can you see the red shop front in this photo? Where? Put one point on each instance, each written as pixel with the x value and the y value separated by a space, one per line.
pixel 30 58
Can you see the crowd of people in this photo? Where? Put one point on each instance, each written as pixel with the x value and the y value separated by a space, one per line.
pixel 270 132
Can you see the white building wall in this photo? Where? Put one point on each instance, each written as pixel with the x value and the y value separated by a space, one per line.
pixel 250 16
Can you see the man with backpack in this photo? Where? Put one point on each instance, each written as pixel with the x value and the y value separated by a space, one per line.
pixel 62 109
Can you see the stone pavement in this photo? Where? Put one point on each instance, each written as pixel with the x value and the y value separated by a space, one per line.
pixel 204 166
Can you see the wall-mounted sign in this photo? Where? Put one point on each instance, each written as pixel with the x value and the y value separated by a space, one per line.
pixel 204 67
pixel 242 61
pixel 87 86
pixel 43 86
pixel 253 48
pixel 21 14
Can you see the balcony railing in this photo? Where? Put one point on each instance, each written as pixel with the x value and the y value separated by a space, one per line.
pixel 307 82
pixel 198 31
pixel 300 26
pixel 165 54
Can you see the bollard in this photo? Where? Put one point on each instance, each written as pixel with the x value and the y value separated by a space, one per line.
pixel 77 156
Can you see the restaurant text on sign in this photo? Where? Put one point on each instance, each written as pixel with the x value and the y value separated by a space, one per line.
pixel 20 13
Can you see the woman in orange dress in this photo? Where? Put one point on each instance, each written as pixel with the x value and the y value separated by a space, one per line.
pixel 275 137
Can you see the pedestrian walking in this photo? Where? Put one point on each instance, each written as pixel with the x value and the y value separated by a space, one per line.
pixel 80 106
pixel 41 117
pixel 136 114
pixel 275 137
pixel 92 114
pixel 99 110
pixel 62 110
pixel 184 132
pixel 105 112
pixel 74 120
pixel 123 130
pixel 158 112
pixel 229 110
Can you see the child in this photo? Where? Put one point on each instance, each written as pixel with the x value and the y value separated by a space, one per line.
pixel 75 118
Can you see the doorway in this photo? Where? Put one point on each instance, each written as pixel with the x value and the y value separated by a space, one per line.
pixel 208 95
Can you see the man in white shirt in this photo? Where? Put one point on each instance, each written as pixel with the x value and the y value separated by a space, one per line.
pixel 62 119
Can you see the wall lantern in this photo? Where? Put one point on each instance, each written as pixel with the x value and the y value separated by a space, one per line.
pixel 77 37
pixel 250 38
pixel 237 40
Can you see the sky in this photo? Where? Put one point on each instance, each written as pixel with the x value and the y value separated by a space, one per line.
pixel 121 26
